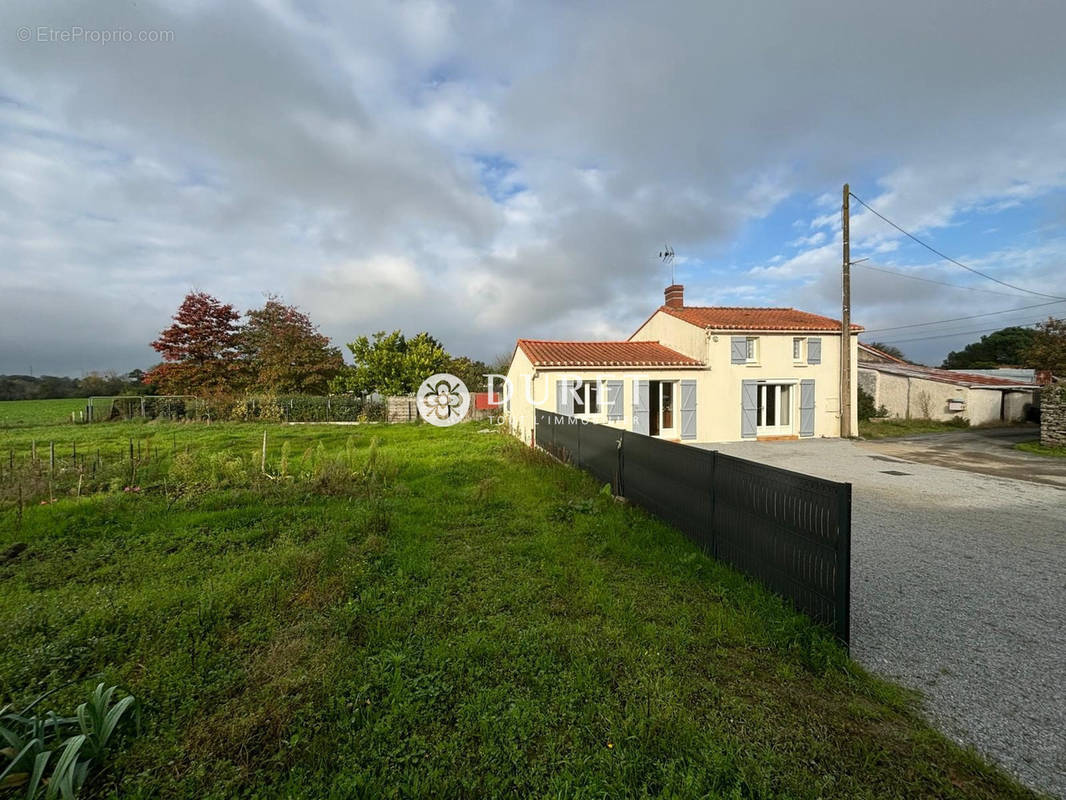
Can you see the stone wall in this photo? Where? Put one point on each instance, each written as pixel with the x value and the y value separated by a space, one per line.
pixel 1053 416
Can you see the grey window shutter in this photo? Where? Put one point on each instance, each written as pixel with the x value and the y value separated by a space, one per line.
pixel 749 408
pixel 615 411
pixel 641 416
pixel 564 399
pixel 807 408
pixel 738 349
pixel 688 409
pixel 814 351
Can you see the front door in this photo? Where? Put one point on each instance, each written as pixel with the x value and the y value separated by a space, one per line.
pixel 775 409
pixel 661 408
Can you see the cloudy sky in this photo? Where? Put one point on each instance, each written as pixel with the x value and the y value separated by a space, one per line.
pixel 488 170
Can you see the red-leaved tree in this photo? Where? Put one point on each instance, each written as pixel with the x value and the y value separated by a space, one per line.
pixel 284 353
pixel 199 350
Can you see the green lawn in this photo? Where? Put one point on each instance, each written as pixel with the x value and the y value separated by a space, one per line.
pixel 400 611
pixel 24 413
pixel 897 426
pixel 1041 450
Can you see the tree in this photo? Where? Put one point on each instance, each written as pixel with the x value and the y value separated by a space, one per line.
pixel 199 350
pixel 1004 348
pixel 391 364
pixel 888 349
pixel 425 356
pixel 1048 348
pixel 283 352
pixel 472 373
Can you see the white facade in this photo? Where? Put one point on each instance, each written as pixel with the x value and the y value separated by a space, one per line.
pixel 751 384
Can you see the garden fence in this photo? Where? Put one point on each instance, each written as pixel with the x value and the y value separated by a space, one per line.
pixel 790 531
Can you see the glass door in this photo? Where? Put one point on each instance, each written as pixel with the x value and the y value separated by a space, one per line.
pixel 775 409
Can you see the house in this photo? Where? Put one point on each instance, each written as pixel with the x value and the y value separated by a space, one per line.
pixel 693 374
pixel 912 391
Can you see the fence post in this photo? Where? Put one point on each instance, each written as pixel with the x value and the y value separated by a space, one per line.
pixel 843 587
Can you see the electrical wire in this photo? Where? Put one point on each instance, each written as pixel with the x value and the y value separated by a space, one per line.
pixel 959 319
pixel 932 249
pixel 938 283
pixel 960 333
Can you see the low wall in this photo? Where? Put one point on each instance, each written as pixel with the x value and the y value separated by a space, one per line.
pixel 1053 416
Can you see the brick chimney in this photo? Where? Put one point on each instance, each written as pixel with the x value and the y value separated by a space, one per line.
pixel 675 296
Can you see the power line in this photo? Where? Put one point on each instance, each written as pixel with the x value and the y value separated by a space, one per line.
pixel 932 249
pixel 960 333
pixel 938 283
pixel 959 319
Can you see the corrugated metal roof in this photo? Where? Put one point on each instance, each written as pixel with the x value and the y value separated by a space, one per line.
pixel 969 379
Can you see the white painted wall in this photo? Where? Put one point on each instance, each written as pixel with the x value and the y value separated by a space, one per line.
pixel 912 397
pixel 718 384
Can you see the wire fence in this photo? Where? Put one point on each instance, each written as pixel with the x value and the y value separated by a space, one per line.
pixel 266 408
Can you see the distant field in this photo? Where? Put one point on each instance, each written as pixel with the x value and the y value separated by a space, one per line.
pixel 17 413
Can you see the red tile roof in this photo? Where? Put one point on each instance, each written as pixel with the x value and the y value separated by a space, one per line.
pixel 603 354
pixel 755 319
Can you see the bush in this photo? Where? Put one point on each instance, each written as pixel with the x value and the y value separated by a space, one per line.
pixel 866 406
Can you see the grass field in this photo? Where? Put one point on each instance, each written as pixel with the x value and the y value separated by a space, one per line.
pixel 24 413
pixel 403 611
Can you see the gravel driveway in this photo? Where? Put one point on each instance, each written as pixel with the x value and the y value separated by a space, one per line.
pixel 958 590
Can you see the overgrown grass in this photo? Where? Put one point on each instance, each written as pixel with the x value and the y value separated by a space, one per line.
pixel 442 613
pixel 897 426
pixel 24 413
pixel 1041 450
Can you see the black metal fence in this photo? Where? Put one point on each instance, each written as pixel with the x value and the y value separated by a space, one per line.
pixel 790 531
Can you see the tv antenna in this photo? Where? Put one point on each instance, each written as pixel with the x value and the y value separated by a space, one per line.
pixel 666 255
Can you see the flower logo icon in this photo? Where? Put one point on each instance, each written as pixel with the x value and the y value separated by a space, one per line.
pixel 443 400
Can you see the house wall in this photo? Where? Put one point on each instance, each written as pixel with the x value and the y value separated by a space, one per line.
pixel 1019 402
pixel 774 363
pixel 918 398
pixel 718 385
pixel 521 415
pixel 676 334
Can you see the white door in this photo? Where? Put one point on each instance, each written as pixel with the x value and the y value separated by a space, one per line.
pixel 775 409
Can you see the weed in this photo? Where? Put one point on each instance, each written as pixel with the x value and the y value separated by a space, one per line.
pixel 53 755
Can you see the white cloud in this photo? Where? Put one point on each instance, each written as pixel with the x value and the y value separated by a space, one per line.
pixel 330 152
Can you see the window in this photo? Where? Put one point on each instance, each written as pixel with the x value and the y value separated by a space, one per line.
pixel 775 407
pixel 587 398
pixel 797 348
pixel 753 349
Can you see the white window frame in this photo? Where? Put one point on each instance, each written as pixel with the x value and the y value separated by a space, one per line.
pixel 583 391
pixel 751 354
pixel 762 429
pixel 799 349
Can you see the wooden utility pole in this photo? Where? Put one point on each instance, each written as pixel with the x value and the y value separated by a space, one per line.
pixel 845 321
